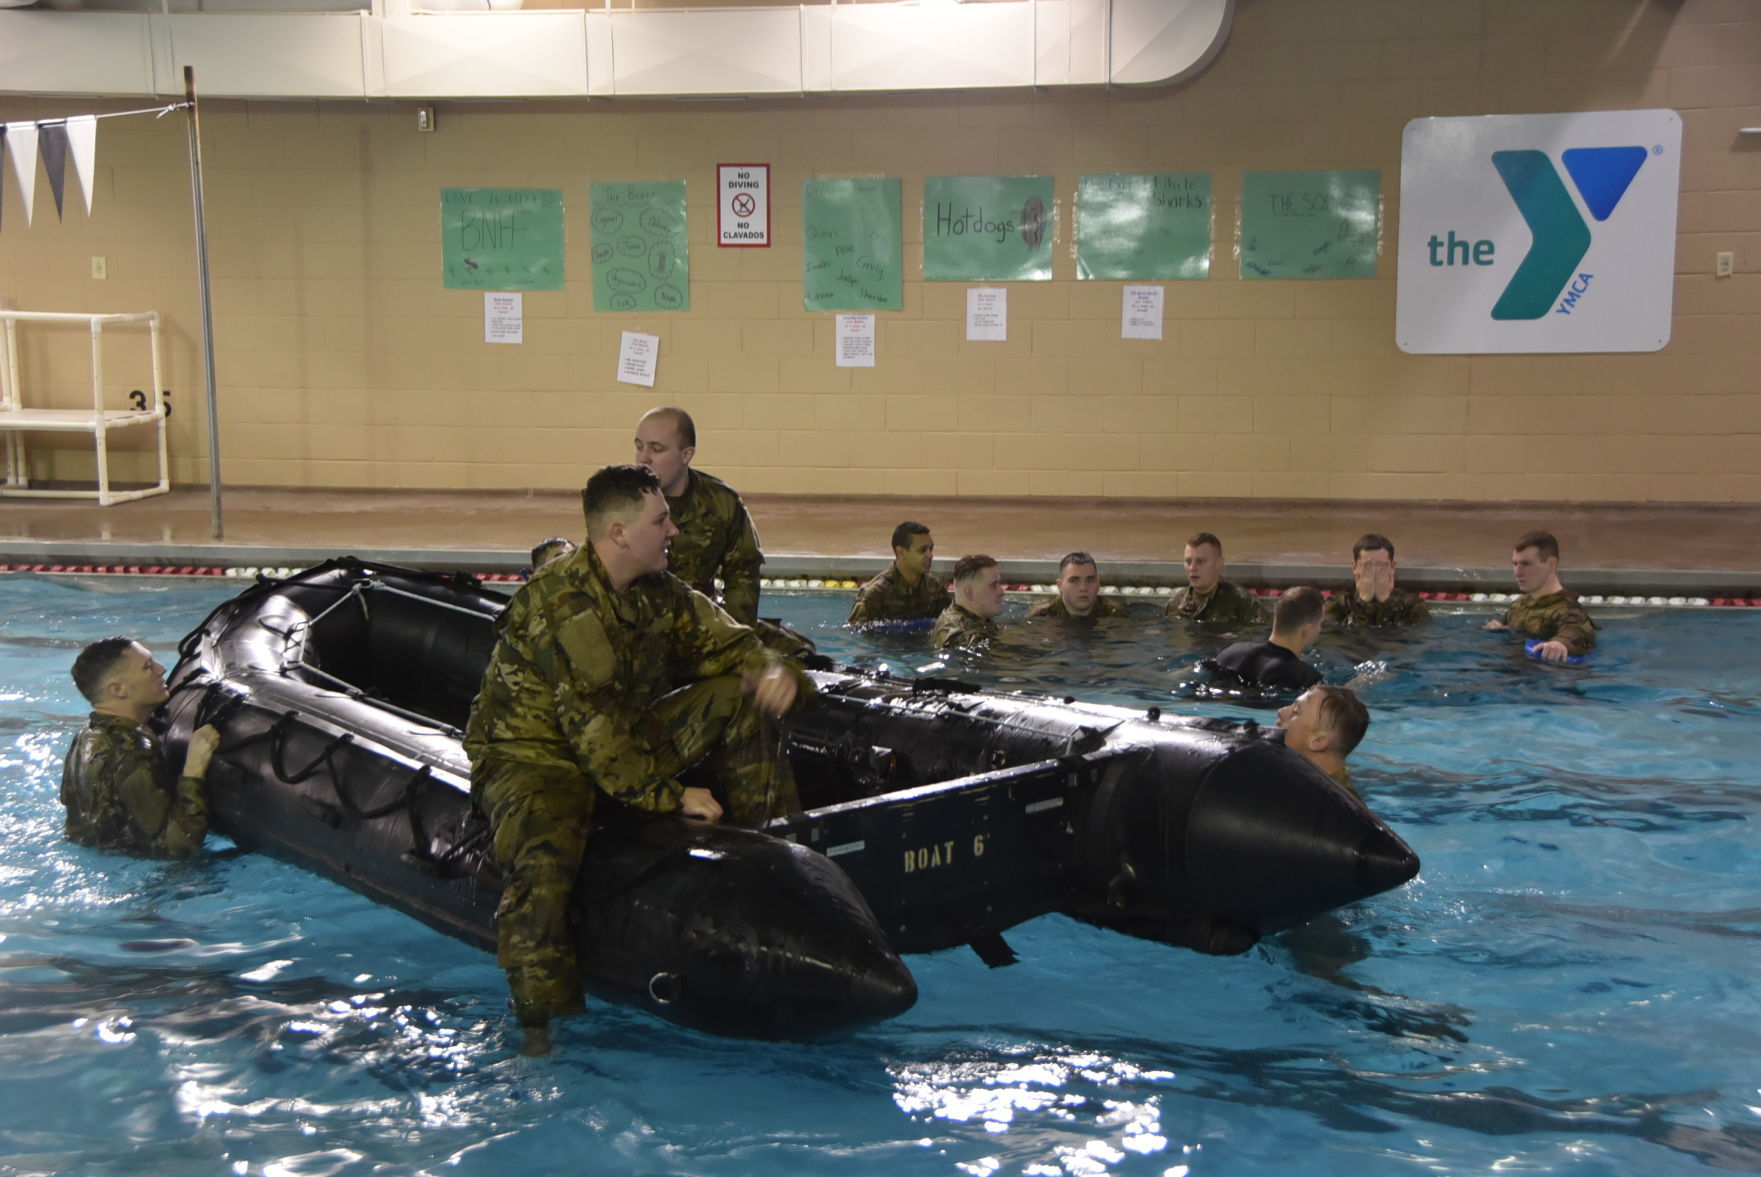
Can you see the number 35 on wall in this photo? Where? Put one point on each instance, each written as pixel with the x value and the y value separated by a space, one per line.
pixel 140 400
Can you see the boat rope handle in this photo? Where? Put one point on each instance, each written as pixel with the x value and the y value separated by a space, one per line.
pixel 278 748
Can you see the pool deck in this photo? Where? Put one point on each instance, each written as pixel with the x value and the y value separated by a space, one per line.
pixel 1691 549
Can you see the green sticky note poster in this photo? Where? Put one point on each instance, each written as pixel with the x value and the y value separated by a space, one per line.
pixel 987 228
pixel 1144 226
pixel 851 253
pixel 1310 224
pixel 501 238
pixel 640 260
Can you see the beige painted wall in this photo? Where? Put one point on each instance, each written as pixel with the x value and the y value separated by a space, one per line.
pixel 343 362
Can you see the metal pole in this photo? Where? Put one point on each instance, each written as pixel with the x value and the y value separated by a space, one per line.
pixel 189 93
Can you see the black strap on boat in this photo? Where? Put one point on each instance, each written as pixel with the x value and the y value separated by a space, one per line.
pixel 278 749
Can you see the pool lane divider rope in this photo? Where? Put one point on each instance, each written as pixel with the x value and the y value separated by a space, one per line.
pixel 834 584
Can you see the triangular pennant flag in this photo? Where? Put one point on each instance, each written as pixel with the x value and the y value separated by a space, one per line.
pixel 53 143
pixel 1602 174
pixel 21 140
pixel 82 144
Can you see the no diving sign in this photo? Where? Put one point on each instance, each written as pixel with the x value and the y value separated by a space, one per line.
pixel 742 210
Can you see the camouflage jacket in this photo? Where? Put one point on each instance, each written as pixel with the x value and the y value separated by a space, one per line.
pixel 888 598
pixel 1343 779
pixel 577 665
pixel 959 626
pixel 120 795
pixel 1228 604
pixel 716 538
pixel 1104 607
pixel 1554 617
pixel 1350 611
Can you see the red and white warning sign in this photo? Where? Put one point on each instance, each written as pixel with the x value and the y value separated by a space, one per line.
pixel 742 210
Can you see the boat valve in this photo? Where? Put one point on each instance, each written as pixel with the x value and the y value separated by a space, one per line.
pixel 665 988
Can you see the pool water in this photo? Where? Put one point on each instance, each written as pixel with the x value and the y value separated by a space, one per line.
pixel 1569 986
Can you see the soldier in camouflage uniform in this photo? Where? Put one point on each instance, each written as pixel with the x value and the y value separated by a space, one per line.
pixel 1323 725
pixel 1545 610
pixel 716 535
pixel 1208 597
pixel 1372 601
pixel 907 590
pixel 978 598
pixel 115 782
pixel 611 676
pixel 1079 593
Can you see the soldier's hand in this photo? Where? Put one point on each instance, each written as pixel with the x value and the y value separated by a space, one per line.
pixel 700 805
pixel 1553 651
pixel 773 691
pixel 1495 623
pixel 203 741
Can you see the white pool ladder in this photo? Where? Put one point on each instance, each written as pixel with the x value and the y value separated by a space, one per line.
pixel 16 419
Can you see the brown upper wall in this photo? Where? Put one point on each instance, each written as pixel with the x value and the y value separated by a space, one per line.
pixel 342 361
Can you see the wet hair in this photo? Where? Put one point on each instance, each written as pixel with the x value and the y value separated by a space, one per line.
pixel 1542 541
pixel 94 664
pixel 1074 558
pixel 1199 539
pixel 1298 607
pixel 1371 542
pixel 902 534
pixel 967 567
pixel 541 555
pixel 682 424
pixel 614 490
pixel 1344 714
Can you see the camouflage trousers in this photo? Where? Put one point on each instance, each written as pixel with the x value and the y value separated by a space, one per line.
pixel 540 817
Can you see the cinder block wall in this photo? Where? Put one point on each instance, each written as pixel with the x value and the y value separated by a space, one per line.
pixel 342 361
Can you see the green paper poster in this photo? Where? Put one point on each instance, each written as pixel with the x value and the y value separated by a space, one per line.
pixel 1144 226
pixel 501 238
pixel 640 258
pixel 987 228
pixel 1310 224
pixel 851 256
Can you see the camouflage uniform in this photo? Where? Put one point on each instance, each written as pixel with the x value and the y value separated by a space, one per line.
pixel 1556 617
pixel 589 691
pixel 1228 604
pixel 960 626
pixel 119 796
pixel 716 538
pixel 1104 607
pixel 888 598
pixel 1350 611
pixel 1343 779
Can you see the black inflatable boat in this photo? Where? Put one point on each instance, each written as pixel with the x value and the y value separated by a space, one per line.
pixel 936 814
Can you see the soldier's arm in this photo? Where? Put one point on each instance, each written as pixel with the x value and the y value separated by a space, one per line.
pixel 1338 609
pixel 1419 611
pixel 740 570
pixel 1575 629
pixel 175 820
pixel 862 609
pixel 712 643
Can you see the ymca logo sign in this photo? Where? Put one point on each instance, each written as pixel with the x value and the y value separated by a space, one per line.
pixel 1509 243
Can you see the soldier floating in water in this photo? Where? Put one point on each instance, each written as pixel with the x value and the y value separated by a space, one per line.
pixel 1079 592
pixel 611 676
pixel 906 590
pixel 1275 664
pixel 1323 725
pixel 1373 600
pixel 1207 596
pixel 1545 610
pixel 978 598
pixel 116 783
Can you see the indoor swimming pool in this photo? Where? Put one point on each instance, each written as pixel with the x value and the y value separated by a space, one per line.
pixel 1570 986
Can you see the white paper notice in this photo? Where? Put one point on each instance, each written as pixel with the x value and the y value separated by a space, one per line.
pixel 1141 315
pixel 987 313
pixel 855 341
pixel 504 318
pixel 636 358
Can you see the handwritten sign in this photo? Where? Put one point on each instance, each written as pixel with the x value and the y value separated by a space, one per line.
pixel 1310 224
pixel 640 260
pixel 988 228
pixel 1144 226
pixel 501 238
pixel 851 255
